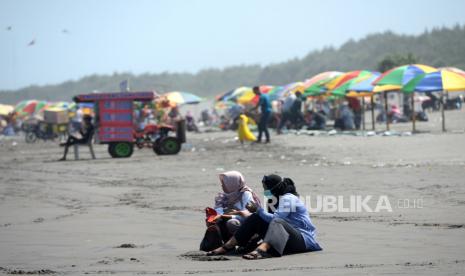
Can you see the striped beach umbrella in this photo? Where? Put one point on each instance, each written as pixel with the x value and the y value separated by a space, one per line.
pixel 397 77
pixel 180 98
pixel 442 80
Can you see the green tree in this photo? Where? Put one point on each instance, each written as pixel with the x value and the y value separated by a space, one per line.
pixel 392 61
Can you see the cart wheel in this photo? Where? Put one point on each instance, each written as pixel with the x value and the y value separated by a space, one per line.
pixel 120 149
pixel 31 137
pixel 169 145
pixel 156 147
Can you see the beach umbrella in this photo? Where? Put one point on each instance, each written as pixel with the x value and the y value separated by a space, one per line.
pixel 61 105
pixel 6 109
pixel 344 78
pixel 25 106
pixel 321 76
pixel 366 85
pixel 247 96
pixel 294 87
pixel 224 96
pixel 276 93
pixel 239 92
pixel 341 84
pixel 442 80
pixel 180 98
pixel 266 88
pixel 318 88
pixel 394 79
pixel 29 107
pixel 401 75
pixel 454 69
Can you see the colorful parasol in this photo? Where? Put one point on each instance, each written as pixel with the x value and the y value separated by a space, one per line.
pixel 400 76
pixel 294 87
pixel 276 93
pixel 29 107
pixel 180 98
pixel 442 80
pixel 365 85
pixel 224 96
pixel 61 105
pixel 344 78
pixel 321 76
pixel 245 95
pixel 318 88
pixel 340 85
pixel 394 79
pixel 454 69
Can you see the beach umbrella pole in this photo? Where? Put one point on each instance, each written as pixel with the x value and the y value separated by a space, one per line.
pixel 386 110
pixel 442 112
pixel 413 113
pixel 363 113
pixel 372 113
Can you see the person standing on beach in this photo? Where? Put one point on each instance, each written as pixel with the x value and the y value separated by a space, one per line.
pixel 297 117
pixel 286 111
pixel 265 108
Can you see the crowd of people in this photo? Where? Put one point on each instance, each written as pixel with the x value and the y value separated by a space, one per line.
pixel 294 111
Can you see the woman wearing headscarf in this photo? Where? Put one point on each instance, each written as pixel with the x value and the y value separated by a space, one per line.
pixel 230 205
pixel 287 229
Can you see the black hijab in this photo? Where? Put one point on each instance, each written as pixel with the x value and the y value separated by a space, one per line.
pixel 278 186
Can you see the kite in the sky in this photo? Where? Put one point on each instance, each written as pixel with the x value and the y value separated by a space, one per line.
pixel 32 42
pixel 9 28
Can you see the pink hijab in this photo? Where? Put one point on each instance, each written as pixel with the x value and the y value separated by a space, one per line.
pixel 234 186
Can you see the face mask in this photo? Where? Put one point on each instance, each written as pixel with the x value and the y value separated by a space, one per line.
pixel 267 194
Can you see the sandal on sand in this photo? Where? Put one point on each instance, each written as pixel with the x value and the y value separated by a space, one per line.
pixel 213 253
pixel 256 255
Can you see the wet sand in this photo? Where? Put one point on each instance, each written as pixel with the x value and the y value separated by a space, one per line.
pixel 140 215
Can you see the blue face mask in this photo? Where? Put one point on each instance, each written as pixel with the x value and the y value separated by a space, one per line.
pixel 267 194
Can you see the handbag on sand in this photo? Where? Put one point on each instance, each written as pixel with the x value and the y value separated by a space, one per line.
pixel 212 238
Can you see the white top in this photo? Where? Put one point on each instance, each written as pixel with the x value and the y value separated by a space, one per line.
pixel 240 205
pixel 288 102
pixel 78 116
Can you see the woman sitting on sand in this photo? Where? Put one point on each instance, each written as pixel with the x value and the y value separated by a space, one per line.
pixel 286 231
pixel 230 205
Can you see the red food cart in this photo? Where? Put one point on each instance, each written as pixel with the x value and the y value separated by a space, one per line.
pixel 114 124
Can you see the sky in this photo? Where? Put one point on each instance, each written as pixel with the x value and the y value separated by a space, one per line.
pixel 73 39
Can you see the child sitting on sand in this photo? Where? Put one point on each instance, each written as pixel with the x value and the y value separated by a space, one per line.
pixel 243 130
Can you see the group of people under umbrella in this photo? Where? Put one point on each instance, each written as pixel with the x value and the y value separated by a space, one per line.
pixel 351 92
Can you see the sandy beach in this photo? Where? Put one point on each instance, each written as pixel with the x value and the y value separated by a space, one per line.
pixel 140 215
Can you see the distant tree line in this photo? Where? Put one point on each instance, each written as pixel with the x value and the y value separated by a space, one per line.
pixel 437 47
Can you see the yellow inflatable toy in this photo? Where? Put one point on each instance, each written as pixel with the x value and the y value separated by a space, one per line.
pixel 243 130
